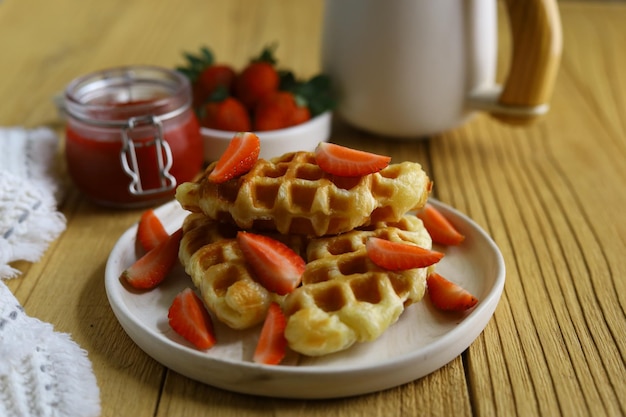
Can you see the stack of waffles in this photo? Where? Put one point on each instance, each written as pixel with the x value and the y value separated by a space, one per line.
pixel 344 297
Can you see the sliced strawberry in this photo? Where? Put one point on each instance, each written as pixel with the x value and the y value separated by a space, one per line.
pixel 448 296
pixel 272 345
pixel 240 155
pixel 439 227
pixel 150 231
pixel 190 319
pixel 348 162
pixel 277 267
pixel 152 268
pixel 397 256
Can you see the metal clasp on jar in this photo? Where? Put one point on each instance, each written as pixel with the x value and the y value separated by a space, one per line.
pixel 128 156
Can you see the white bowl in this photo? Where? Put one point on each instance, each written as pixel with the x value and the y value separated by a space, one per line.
pixel 303 137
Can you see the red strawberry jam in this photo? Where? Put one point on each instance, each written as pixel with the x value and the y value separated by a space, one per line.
pixel 131 135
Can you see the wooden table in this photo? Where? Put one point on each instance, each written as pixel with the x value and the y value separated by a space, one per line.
pixel 552 196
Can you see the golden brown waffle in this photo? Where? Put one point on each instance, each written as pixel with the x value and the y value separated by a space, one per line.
pixel 345 298
pixel 211 256
pixel 291 194
pixel 215 264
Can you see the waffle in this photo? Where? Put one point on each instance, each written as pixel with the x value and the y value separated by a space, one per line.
pixel 345 298
pixel 292 195
pixel 211 256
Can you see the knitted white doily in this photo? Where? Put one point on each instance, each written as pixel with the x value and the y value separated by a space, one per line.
pixel 29 220
pixel 43 373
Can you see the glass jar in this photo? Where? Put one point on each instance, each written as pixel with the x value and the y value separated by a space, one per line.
pixel 131 135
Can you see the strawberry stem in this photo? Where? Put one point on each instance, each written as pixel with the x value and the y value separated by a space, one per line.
pixel 267 55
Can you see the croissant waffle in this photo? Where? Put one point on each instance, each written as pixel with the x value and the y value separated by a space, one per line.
pixel 211 256
pixel 345 298
pixel 291 194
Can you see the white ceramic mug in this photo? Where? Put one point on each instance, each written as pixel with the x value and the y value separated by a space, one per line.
pixel 412 68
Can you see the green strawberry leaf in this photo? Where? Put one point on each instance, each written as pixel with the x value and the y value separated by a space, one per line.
pixel 316 92
pixel 196 63
pixel 267 55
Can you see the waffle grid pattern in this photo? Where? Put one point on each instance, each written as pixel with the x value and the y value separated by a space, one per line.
pixel 292 195
pixel 345 298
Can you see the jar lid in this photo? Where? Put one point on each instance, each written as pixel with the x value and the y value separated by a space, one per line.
pixel 111 97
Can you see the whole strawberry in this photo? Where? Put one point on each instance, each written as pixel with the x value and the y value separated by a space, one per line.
pixel 214 77
pixel 279 110
pixel 301 114
pixel 258 79
pixel 225 114
pixel 206 77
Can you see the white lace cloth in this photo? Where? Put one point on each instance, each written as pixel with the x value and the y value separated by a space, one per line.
pixel 43 373
pixel 28 217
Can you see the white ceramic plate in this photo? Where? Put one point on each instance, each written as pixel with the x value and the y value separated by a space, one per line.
pixel 422 341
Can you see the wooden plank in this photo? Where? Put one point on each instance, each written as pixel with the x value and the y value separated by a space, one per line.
pixel 551 195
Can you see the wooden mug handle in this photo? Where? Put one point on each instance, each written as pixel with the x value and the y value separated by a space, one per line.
pixel 537 45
